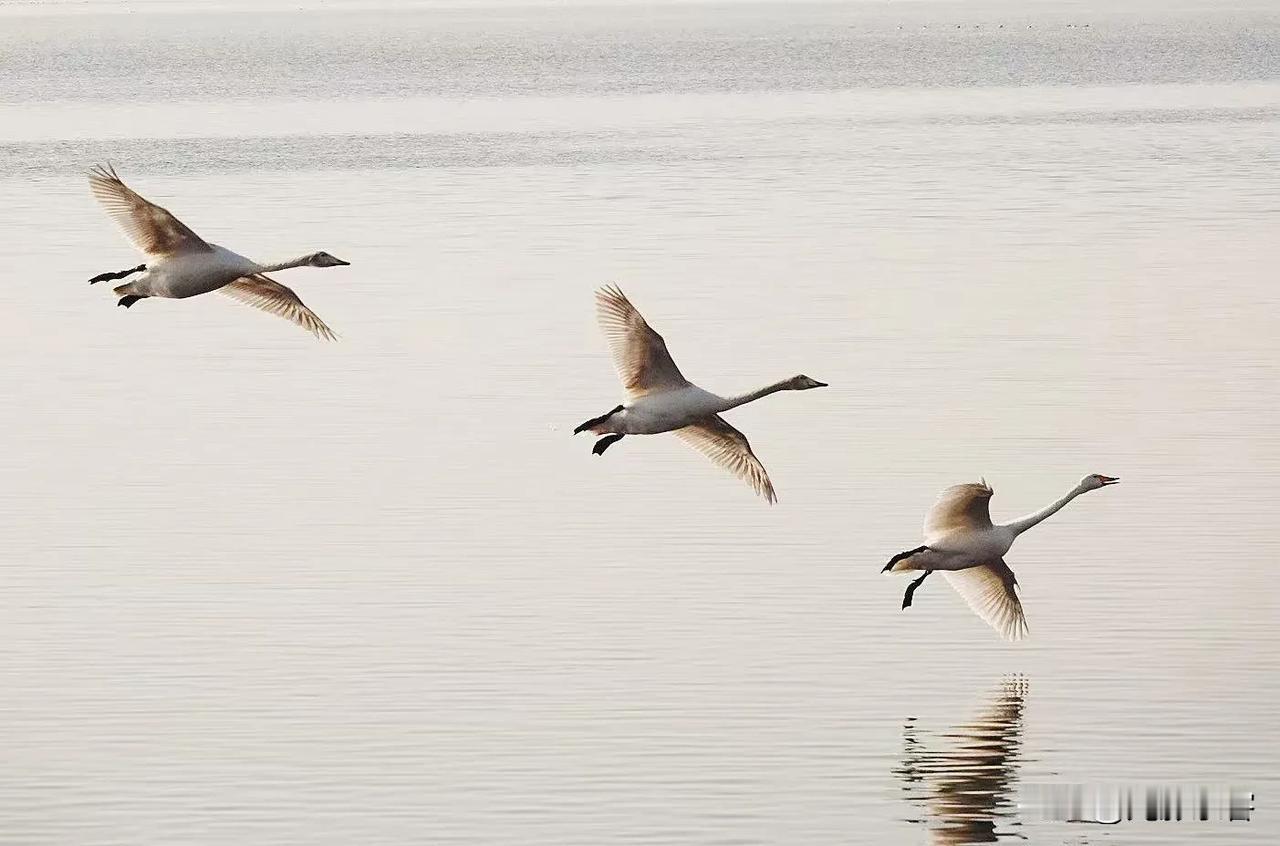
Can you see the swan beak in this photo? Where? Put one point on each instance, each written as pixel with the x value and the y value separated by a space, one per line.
pixel 1108 480
pixel 818 384
pixel 342 263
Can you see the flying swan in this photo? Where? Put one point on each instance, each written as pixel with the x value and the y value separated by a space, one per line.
pixel 660 399
pixel 181 264
pixel 960 540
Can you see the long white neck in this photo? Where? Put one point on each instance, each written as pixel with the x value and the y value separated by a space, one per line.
pixel 285 265
pixel 743 399
pixel 1023 523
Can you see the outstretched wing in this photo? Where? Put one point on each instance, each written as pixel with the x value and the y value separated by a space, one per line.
pixel 728 447
pixel 151 229
pixel 990 592
pixel 639 353
pixel 959 507
pixel 269 295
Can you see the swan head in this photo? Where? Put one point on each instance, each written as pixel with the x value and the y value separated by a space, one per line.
pixel 1096 480
pixel 323 259
pixel 803 383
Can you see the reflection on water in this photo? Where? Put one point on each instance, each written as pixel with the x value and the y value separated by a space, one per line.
pixel 963 779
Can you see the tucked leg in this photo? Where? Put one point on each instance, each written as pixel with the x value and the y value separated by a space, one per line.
pixel 605 442
pixel 105 277
pixel 911 589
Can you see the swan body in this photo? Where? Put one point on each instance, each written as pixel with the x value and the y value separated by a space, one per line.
pixel 667 411
pixel 191 274
pixel 660 399
pixel 961 541
pixel 181 264
pixel 959 551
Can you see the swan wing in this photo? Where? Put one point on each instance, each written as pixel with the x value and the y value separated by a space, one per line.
pixel 151 229
pixel 990 590
pixel 639 353
pixel 726 446
pixel 269 295
pixel 964 507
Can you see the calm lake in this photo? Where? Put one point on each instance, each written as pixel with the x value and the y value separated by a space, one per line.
pixel 259 589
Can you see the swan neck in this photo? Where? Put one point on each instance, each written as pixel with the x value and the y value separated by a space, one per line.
pixel 743 399
pixel 301 261
pixel 1022 524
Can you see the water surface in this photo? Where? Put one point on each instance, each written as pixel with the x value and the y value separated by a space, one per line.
pixel 262 589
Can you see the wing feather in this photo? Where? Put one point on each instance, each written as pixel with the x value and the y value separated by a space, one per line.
pixel 269 295
pixel 990 590
pixel 727 447
pixel 639 353
pixel 151 229
pixel 959 507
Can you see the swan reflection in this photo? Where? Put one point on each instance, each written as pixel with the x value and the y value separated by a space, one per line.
pixel 963 780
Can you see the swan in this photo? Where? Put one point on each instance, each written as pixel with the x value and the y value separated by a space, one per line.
pixel 960 540
pixel 181 264
pixel 660 399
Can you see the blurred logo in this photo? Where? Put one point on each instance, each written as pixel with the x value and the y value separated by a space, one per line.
pixel 1111 805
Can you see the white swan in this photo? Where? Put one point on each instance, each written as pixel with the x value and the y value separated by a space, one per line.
pixel 660 399
pixel 181 264
pixel 960 540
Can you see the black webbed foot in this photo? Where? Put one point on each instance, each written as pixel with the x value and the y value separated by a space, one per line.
pixel 911 590
pixel 901 555
pixel 604 443
pixel 106 277
pixel 596 421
